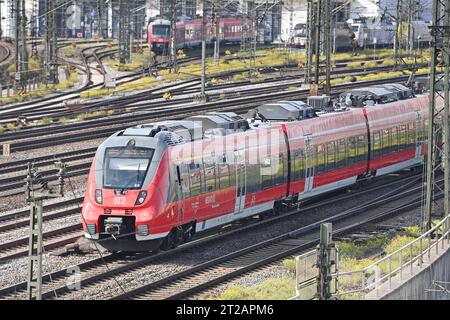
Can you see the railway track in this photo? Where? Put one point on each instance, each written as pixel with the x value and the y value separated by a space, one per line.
pixel 165 110
pixel 55 102
pixel 95 271
pixel 52 240
pixel 194 280
pixel 57 111
pixel 52 211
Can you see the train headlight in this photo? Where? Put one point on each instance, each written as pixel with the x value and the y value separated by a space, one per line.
pixel 141 197
pixel 98 195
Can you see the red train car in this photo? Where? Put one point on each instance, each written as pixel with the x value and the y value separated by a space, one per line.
pixel 189 33
pixel 156 185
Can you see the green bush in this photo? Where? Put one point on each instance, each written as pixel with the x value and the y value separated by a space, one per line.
pixel 63 120
pixel 358 251
pixel 370 64
pixel 272 289
pixel 47 120
pixel 290 265
pixel 11 126
pixel 354 65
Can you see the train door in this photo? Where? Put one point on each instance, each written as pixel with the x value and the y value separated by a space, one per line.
pixel 419 135
pixel 309 164
pixel 239 159
pixel 182 190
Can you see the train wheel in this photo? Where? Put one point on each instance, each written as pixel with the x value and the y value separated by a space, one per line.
pixel 277 208
pixel 173 239
pixel 188 233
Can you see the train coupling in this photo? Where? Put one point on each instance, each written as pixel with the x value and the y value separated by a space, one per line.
pixel 114 225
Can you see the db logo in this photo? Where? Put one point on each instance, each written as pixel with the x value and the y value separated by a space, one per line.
pixel 119 200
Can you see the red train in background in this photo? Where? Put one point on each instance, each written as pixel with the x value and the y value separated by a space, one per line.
pixel 189 33
pixel 156 185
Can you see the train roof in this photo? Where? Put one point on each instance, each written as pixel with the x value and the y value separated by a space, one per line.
pixel 190 129
pixel 220 120
pixel 382 93
pixel 282 111
pixel 187 130
pixel 160 22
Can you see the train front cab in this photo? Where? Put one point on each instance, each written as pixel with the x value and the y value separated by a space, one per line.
pixel 126 194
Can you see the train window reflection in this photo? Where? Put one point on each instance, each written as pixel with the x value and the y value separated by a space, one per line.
pixel 160 31
pixel 126 168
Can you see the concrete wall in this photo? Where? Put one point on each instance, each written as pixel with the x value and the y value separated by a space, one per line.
pixel 415 287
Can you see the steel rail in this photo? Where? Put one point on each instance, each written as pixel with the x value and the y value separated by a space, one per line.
pixel 241 104
pixel 94 275
pixel 200 277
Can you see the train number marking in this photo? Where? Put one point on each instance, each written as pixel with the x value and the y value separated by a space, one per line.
pixel 119 200
pixel 210 199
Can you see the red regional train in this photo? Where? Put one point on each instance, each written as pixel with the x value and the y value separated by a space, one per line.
pixel 156 185
pixel 189 33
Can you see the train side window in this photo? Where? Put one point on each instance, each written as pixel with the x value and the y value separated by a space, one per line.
pixel 395 142
pixel 278 169
pixel 331 156
pixel 210 177
pixel 299 164
pixel 224 176
pixel 423 134
pixel 402 137
pixel 341 154
pixel 253 173
pixel 266 173
pixel 195 178
pixel 320 159
pixel 385 141
pixel 376 144
pixel 185 181
pixel 362 148
pixel 411 134
pixel 352 150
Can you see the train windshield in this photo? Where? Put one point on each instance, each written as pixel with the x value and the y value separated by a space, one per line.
pixel 126 167
pixel 160 31
pixel 300 30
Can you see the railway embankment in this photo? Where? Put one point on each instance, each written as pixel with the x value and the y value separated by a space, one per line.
pixel 428 281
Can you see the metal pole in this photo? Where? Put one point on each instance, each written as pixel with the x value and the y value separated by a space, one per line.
pixel 324 262
pixel 439 45
pixel 309 40
pixel 216 23
pixel 173 33
pixel 398 34
pixel 317 40
pixel 445 132
pixel 35 244
pixel 17 34
pixel 1 20
pixel 23 46
pixel 410 27
pixel 327 44
pixel 203 95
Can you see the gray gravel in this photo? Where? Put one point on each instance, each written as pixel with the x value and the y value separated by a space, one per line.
pixel 191 257
pixel 19 201
pixel 16 270
pixel 277 270
pixel 48 226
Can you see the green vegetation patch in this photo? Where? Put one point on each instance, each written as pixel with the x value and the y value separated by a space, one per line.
pixel 272 289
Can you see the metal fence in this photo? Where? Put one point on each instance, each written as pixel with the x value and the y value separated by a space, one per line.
pixel 306 275
pixel 356 284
